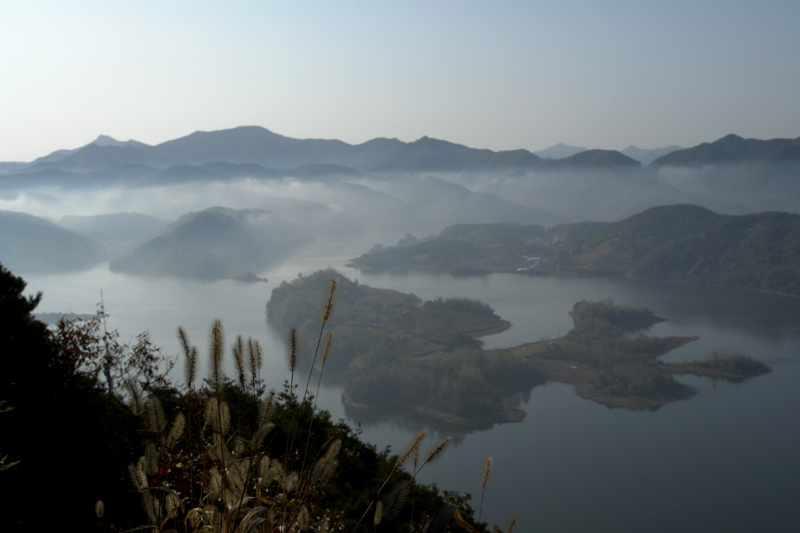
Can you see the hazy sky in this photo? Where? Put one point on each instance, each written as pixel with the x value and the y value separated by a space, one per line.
pixel 499 75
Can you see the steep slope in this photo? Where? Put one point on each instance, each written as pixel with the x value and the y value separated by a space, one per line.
pixel 688 243
pixel 763 175
pixel 216 243
pixel 559 151
pixel 116 227
pixel 595 159
pixel 731 149
pixel 33 244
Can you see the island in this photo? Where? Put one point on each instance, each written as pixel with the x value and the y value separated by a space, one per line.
pixel 395 352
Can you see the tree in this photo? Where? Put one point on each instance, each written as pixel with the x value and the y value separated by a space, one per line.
pixel 73 441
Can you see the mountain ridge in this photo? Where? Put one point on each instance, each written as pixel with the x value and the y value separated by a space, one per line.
pixel 258 145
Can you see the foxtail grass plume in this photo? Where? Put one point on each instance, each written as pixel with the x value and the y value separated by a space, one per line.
pixel 413 448
pixel 216 343
pixel 175 433
pixel 511 525
pixel 190 367
pixel 183 337
pixel 303 519
pixel 254 357
pixel 172 504
pixel 156 416
pixel 268 407
pixel 324 467
pixel 138 477
pixel 190 357
pixel 292 349
pixel 437 451
pixel 218 415
pixel 264 421
pixel 459 519
pixel 327 350
pixel 290 482
pixel 236 476
pixel 214 484
pixel 151 459
pixel 137 401
pixel 238 359
pixel 487 470
pixel 327 309
pixel 218 450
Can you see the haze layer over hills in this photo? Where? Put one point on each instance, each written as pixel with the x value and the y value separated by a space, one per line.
pixel 331 189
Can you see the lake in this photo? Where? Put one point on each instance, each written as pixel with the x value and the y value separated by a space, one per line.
pixel 726 460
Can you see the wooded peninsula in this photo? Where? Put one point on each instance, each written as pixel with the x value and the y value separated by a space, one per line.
pixel 393 351
pixel 683 243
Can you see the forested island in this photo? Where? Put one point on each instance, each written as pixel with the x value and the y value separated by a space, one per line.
pixel 683 243
pixel 393 351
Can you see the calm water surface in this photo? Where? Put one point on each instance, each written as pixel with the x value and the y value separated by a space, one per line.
pixel 726 460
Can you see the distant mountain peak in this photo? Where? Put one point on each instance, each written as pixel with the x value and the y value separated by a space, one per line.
pixel 107 140
pixel 601 158
pixel 559 151
pixel 731 149
pixel 730 137
pixel 648 155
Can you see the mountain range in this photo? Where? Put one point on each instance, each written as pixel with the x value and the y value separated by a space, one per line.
pixel 430 183
pixel 254 145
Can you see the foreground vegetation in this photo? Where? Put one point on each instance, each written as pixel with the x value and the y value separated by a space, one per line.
pixel 225 455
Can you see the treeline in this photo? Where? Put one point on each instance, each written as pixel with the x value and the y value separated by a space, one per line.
pixel 625 317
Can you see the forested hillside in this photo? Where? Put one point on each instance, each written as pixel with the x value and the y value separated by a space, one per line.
pixel 94 437
pixel 668 243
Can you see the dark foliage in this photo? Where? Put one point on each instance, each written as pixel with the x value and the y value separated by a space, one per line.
pixel 72 440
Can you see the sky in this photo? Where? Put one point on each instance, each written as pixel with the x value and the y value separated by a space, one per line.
pixel 500 75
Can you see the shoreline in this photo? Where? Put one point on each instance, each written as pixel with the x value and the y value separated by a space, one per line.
pixel 485 271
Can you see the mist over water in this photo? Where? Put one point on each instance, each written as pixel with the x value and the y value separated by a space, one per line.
pixel 723 460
